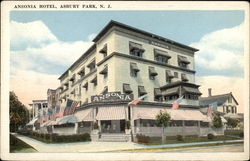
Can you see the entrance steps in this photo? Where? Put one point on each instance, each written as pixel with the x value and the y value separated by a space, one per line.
pixel 114 137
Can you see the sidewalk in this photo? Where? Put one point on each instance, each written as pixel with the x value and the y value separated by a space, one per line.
pixel 102 146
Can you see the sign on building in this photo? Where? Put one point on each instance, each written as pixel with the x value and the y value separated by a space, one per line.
pixel 112 97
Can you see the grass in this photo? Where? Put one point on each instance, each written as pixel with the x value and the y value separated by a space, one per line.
pixel 187 139
pixel 18 146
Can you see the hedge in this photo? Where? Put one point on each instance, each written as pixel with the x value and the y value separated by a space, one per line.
pixel 55 138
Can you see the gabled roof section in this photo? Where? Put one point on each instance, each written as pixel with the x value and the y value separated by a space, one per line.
pixel 220 99
pixel 115 23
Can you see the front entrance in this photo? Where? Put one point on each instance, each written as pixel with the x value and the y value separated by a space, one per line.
pixel 113 126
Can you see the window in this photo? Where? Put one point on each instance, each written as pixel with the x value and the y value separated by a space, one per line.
pixel 135 49
pixel 91 65
pixel 204 124
pixel 176 123
pixel 152 73
pixel 176 74
pixel 85 86
pixel 158 95
pixel 182 61
pixel 161 56
pixel 191 123
pixel 230 99
pixel 169 76
pixel 127 89
pixel 133 70
pixel 94 81
pixel 184 77
pixel 141 91
pixel 104 71
pixel 104 50
pixel 82 72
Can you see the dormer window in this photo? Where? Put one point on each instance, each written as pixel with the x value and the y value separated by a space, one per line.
pixel 91 65
pixel 183 61
pixel 104 50
pixel 161 56
pixel 135 49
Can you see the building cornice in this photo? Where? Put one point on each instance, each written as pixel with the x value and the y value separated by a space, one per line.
pixel 143 60
pixel 115 23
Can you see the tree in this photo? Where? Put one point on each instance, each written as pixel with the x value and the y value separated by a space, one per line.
pixel 163 119
pixel 18 113
pixel 217 122
pixel 231 122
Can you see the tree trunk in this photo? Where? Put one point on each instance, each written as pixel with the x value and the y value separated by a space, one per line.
pixel 163 138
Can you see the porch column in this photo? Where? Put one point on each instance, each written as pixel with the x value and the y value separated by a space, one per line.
pixel 76 128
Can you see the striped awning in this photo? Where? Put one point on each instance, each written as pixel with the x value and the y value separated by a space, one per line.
pixel 66 119
pixel 171 91
pixel 46 123
pixel 150 113
pixel 111 113
pixel 52 122
pixel 191 90
pixel 161 52
pixel 134 67
pixel 84 115
pixel 32 121
pixel 183 59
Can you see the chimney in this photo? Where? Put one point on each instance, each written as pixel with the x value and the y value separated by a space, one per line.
pixel 209 92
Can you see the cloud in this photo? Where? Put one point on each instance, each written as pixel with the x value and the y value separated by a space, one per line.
pixel 221 50
pixel 223 85
pixel 29 85
pixel 31 34
pixel 43 52
pixel 91 36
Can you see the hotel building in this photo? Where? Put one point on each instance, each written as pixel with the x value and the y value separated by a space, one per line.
pixel 123 64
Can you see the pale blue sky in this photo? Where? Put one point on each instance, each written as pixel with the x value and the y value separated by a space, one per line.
pixel 182 26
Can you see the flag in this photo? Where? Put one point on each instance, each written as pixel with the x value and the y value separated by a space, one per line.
pixel 135 102
pixel 213 106
pixel 176 103
pixel 70 107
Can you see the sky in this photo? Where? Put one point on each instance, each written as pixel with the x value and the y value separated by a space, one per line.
pixel 45 43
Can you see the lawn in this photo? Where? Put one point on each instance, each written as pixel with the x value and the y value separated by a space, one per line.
pixel 187 139
pixel 18 146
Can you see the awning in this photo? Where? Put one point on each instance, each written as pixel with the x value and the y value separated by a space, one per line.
pixel 191 90
pixel 169 74
pixel 46 123
pixel 126 88
pixel 85 85
pixel 94 80
pixel 111 113
pixel 183 59
pixel 104 71
pixel 184 77
pixel 160 52
pixel 84 115
pixel 92 63
pixel 81 71
pixel 32 121
pixel 135 46
pixel 105 90
pixel 157 92
pixel 52 122
pixel 134 67
pixel 171 91
pixel 142 90
pixel 73 77
pixel 104 49
pixel 151 113
pixel 66 119
pixel 152 71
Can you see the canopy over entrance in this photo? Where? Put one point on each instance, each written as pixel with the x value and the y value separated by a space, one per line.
pixel 111 113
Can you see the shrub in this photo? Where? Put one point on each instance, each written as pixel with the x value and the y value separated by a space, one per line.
pixel 142 138
pixel 179 137
pixel 95 126
pixel 241 134
pixel 210 136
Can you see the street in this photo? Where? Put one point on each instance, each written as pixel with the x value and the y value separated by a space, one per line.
pixel 220 148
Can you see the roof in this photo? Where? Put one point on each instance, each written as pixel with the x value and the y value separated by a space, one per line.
pixel 115 23
pixel 84 56
pixel 178 83
pixel 220 99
